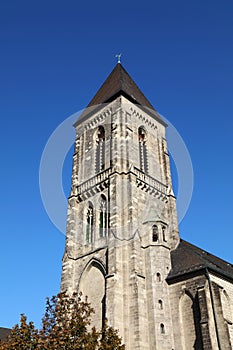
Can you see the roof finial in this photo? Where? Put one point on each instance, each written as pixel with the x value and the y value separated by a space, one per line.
pixel 118 57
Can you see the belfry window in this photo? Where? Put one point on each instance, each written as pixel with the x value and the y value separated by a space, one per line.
pixel 103 217
pixel 142 150
pixel 89 224
pixel 100 150
pixel 155 233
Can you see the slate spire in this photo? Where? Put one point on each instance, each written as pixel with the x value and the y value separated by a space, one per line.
pixel 118 83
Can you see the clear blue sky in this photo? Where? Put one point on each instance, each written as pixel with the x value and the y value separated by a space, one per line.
pixel 54 57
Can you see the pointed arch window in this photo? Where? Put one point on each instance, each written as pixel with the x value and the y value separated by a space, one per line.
pixel 226 307
pixel 89 224
pixel 142 140
pixel 100 150
pixel 103 216
pixel 94 276
pixel 190 319
pixel 155 233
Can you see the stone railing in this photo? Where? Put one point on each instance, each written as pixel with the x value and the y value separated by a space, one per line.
pixel 100 181
pixel 94 181
pixel 150 181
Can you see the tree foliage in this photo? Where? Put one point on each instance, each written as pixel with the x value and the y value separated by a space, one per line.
pixel 66 325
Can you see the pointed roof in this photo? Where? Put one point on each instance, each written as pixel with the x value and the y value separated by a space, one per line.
pixel 188 258
pixel 118 83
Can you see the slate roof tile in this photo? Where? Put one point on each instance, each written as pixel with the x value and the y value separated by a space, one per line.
pixel 188 258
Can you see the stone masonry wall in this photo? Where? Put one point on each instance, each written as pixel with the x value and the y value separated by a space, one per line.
pixel 120 271
pixel 224 308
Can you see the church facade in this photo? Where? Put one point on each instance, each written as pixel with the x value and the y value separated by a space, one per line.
pixel 123 248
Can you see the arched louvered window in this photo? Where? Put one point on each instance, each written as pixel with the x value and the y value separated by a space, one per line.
pixel 103 216
pixel 89 224
pixel 142 149
pixel 155 233
pixel 100 150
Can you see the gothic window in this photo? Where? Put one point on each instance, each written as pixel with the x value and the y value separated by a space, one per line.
pixel 103 216
pixel 96 294
pixel 190 320
pixel 142 149
pixel 226 307
pixel 164 233
pixel 100 150
pixel 162 328
pixel 89 224
pixel 155 233
pixel 160 302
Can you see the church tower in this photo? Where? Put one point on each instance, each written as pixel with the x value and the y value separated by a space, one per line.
pixel 122 221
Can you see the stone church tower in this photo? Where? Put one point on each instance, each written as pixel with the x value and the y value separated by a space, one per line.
pixel 123 248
